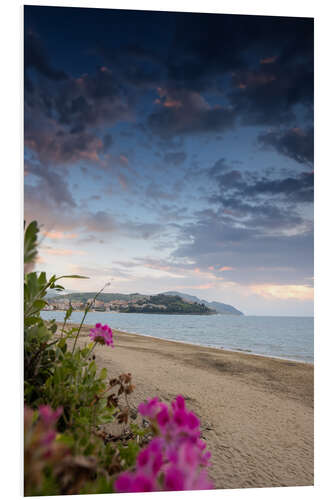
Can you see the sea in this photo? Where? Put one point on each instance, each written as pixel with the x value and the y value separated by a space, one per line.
pixel 286 337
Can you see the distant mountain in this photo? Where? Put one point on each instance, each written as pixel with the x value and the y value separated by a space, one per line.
pixel 218 306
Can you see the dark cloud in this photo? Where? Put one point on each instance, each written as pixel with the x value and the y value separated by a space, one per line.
pixel 294 143
pixel 50 185
pixel 91 100
pixel 270 94
pixel 242 190
pixel 61 122
pixel 270 58
pixel 184 112
pixel 297 189
pixel 219 166
pixel 36 57
pixel 107 142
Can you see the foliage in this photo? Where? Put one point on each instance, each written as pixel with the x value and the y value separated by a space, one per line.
pixel 171 304
pixel 39 343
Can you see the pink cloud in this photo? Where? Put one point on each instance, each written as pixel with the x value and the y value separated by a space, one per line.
pixel 61 251
pixel 283 292
pixel 268 60
pixel 59 235
pixel 171 103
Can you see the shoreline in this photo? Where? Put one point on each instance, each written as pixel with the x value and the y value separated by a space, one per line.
pixel 224 349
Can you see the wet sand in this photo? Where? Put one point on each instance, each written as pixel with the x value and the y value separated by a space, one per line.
pixel 256 412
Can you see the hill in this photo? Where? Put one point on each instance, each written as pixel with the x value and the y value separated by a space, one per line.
pixel 167 304
pixel 220 307
pixel 136 302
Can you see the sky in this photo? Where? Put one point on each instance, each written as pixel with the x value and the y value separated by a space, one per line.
pixel 172 151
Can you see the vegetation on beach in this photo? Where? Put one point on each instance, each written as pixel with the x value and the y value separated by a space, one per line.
pixel 68 401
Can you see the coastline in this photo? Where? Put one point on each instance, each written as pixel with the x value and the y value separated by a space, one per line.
pixel 256 411
pixel 225 349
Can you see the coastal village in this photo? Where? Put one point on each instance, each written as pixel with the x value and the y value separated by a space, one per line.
pixel 133 303
pixel 99 305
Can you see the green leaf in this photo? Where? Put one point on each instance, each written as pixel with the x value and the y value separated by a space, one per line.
pixel 68 313
pixel 39 304
pixel 66 439
pixel 30 242
pixel 129 452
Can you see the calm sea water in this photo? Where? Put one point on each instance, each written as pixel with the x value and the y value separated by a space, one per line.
pixel 283 337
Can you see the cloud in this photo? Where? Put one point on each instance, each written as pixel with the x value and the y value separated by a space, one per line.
pixel 107 142
pixel 175 158
pixel 61 251
pixel 36 57
pixel 154 192
pixel 61 121
pixel 213 239
pixel 59 235
pixel 99 221
pixel 50 185
pixel 294 143
pixel 195 115
pixel 284 292
pixel 268 60
pixel 244 194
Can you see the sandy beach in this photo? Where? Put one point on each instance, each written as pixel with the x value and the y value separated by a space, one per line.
pixel 256 412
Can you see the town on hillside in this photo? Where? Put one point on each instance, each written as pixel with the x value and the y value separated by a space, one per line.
pixel 162 304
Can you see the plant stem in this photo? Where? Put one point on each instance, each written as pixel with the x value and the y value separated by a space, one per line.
pixel 91 350
pixel 84 316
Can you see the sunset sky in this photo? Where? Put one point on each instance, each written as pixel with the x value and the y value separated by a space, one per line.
pixel 169 151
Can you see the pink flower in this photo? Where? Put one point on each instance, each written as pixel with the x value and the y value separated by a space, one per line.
pixel 192 420
pixel 180 418
pixel 149 409
pixel 49 416
pixel 174 479
pixel 150 459
pixel 101 334
pixel 178 403
pixel 173 461
pixel 49 437
pixel 142 483
pixel 163 417
pixel 134 483
pixel 124 482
